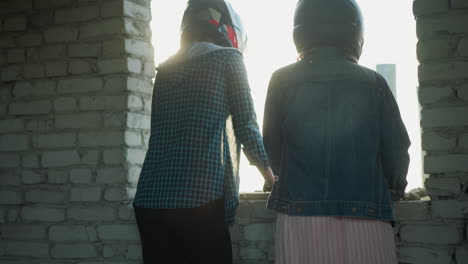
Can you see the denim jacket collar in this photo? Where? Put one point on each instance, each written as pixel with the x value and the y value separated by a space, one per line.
pixel 324 53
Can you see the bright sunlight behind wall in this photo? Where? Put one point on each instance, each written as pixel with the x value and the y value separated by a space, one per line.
pixel 390 37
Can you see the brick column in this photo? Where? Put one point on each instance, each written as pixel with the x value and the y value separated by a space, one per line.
pixel 436 231
pixel 75 95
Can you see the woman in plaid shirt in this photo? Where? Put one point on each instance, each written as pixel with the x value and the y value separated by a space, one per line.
pixel 202 112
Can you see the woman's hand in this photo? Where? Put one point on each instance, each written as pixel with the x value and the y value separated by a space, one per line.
pixel 269 178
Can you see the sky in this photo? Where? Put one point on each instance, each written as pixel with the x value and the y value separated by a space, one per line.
pixel 390 37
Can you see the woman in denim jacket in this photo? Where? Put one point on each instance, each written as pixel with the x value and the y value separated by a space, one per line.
pixel 334 136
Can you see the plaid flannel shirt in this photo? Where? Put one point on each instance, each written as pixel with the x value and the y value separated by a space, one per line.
pixel 202 112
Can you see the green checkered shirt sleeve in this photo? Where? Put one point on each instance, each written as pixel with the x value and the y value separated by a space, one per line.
pixel 243 113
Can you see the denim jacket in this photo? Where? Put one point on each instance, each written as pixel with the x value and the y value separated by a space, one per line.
pixel 334 136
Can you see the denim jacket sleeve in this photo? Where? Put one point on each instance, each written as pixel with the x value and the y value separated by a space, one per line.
pixel 272 121
pixel 243 113
pixel 394 142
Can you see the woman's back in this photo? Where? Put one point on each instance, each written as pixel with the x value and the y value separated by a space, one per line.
pixel 332 118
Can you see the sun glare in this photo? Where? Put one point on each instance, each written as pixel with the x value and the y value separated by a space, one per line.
pixel 390 37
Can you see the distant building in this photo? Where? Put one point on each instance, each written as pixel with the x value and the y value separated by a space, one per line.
pixel 388 71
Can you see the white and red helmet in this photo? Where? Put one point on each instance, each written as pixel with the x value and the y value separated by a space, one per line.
pixel 214 19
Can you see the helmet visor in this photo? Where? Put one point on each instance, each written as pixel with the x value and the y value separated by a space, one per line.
pixel 238 29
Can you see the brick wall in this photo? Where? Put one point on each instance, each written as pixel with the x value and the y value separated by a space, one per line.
pixel 75 97
pixel 75 91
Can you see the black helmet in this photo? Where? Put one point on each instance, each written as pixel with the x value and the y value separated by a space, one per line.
pixel 215 20
pixel 336 23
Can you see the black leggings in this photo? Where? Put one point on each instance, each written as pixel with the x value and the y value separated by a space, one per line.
pixel 186 236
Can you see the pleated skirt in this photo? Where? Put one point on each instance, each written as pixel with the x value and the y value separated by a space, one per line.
pixel 333 240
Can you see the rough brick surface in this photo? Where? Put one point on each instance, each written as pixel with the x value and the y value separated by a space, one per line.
pixel 63 158
pixel 91 213
pixel 24 232
pixel 81 251
pixel 450 209
pixel 443 186
pixel 416 210
pixel 118 232
pixel 46 196
pixel 43 214
pixel 424 255
pixel 444 117
pixel 433 234
pixel 446 163
pixel 71 233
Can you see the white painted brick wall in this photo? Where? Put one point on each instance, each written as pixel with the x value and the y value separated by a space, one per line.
pixel 110 175
pixel 53 52
pixel 74 251
pixel 57 177
pixel 50 141
pixel 102 28
pixel 451 209
pixel 113 156
pixel 116 194
pixel 136 156
pixel 32 177
pixel 118 232
pixel 122 65
pixel 93 214
pixel 432 141
pixel 81 176
pixel 78 14
pixel 85 50
pixel 61 34
pixel 414 210
pixel 16 23
pixel 24 232
pixel 42 214
pixel 10 198
pixel 72 233
pixel 39 88
pixel 462 252
pixel 103 103
pixel 30 161
pixel 126 212
pixel 48 4
pixel 431 95
pixel 30 108
pixel 55 69
pixel 10 179
pixel 80 85
pixel 443 186
pixel 79 121
pixel 47 196
pixel 11 125
pixel 29 40
pixel 424 255
pixel 32 71
pixel 104 138
pixel 65 104
pixel 52 159
pixel 85 194
pixel 138 121
pixel 11 73
pixel 14 142
pixel 27 249
pixel 9 160
pixel 452 24
pixel 80 67
pixel 445 163
pixel 91 157
pixel 433 234
pixel 16 55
